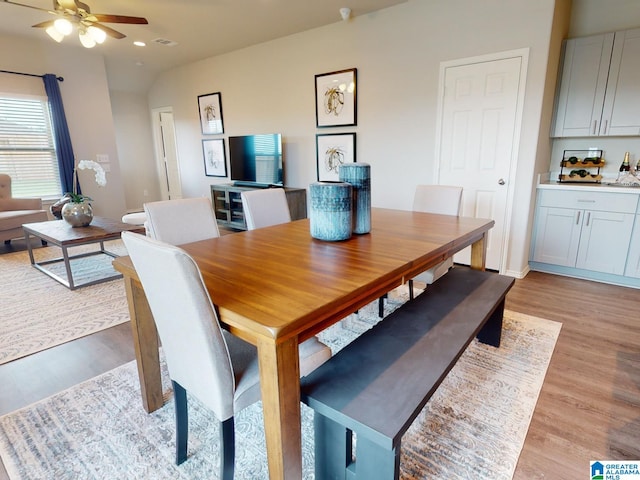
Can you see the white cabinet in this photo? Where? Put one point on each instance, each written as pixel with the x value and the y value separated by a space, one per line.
pixel 557 236
pixel 621 114
pixel 585 230
pixel 600 86
pixel 582 86
pixel 633 260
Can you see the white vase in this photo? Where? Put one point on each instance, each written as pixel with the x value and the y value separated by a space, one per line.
pixel 77 214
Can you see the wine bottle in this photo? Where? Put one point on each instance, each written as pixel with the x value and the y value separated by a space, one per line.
pixel 625 163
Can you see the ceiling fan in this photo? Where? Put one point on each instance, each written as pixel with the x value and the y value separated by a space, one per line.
pixel 90 25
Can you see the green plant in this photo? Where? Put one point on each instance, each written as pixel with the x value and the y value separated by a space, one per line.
pixel 78 198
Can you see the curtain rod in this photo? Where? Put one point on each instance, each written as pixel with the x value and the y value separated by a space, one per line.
pixel 60 79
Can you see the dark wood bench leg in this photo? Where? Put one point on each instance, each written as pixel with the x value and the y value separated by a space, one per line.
pixel 491 333
pixel 373 461
pixel 332 448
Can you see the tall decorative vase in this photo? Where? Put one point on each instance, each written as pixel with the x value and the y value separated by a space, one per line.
pixel 77 214
pixel 359 176
pixel 330 210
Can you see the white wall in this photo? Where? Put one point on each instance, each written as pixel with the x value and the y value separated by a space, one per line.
pixel 87 107
pixel 131 117
pixel 397 51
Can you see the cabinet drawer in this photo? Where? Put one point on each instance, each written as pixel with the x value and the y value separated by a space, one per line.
pixel 609 202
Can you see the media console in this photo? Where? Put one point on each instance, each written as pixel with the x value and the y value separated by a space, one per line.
pixel 227 204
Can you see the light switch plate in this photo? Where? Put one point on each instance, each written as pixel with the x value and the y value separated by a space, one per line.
pixel 102 158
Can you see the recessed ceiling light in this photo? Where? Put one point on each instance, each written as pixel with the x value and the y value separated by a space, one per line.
pixel 138 43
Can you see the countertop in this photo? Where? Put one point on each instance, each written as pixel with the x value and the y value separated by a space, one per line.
pixel 545 183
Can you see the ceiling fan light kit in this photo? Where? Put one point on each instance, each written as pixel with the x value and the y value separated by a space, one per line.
pixel 63 26
pixel 54 33
pixel 72 13
pixel 85 39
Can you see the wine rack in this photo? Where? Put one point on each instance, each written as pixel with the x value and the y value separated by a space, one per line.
pixel 581 166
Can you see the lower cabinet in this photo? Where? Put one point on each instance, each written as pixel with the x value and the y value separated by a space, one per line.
pixel 633 260
pixel 227 204
pixel 585 230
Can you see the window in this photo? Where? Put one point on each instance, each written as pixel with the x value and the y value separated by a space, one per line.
pixel 27 150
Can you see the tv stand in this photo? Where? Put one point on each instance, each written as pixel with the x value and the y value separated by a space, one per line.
pixel 254 185
pixel 227 203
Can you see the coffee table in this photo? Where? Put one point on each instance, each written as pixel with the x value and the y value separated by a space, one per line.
pixel 64 236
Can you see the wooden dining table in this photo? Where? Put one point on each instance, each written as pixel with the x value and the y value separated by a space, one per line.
pixel 277 286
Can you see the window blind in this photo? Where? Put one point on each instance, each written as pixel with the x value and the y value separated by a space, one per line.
pixel 27 150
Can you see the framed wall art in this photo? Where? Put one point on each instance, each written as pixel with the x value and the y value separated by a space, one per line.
pixel 210 110
pixel 336 99
pixel 333 150
pixel 215 161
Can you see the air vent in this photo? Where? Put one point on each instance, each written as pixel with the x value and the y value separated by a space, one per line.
pixel 165 42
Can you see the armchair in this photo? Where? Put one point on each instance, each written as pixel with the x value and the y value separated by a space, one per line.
pixel 16 211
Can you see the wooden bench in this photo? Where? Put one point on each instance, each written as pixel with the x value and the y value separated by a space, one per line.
pixel 377 385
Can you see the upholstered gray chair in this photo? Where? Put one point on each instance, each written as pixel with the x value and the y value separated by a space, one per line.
pixel 16 211
pixel 217 368
pixel 265 207
pixel 440 199
pixel 181 221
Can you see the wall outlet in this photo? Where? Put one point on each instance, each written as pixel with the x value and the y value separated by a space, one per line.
pixel 106 167
pixel 145 193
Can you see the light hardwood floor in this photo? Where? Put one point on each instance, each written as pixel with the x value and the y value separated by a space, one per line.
pixel 589 407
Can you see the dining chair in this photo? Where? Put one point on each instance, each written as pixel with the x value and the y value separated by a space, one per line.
pixel 217 368
pixel 265 207
pixel 440 199
pixel 181 221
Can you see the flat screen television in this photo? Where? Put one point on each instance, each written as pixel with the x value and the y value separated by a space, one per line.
pixel 256 160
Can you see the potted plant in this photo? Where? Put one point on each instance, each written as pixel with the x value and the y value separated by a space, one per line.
pixel 78 212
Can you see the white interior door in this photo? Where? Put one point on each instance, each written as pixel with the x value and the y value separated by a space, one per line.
pixel 167 154
pixel 479 126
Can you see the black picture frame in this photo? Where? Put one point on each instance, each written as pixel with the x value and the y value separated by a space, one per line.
pixel 333 150
pixel 336 98
pixel 210 113
pixel 215 157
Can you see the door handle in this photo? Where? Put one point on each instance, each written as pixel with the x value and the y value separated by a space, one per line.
pixel 501 181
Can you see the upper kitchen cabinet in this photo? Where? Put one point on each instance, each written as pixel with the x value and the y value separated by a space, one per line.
pixel 582 85
pixel 600 86
pixel 621 113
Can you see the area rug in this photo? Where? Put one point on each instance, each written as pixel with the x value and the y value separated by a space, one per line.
pixel 474 426
pixel 39 313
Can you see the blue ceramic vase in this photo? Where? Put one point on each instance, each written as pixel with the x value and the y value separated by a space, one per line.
pixel 330 211
pixel 359 176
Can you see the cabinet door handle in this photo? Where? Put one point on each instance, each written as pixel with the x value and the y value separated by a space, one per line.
pixel 604 130
pixel 586 201
pixel 578 218
pixel 588 218
pixel 595 127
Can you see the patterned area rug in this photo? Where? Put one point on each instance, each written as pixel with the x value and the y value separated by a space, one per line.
pixel 39 313
pixel 474 427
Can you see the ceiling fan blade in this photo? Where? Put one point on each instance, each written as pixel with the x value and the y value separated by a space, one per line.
pixel 28 6
pixel 105 17
pixel 46 24
pixel 67 5
pixel 109 31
